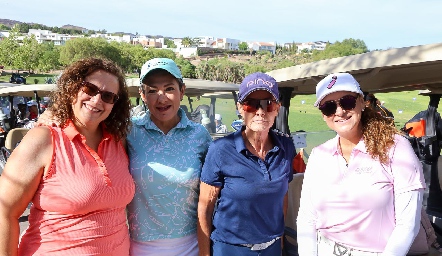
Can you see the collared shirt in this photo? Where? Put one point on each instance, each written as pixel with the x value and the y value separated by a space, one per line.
pixel 79 206
pixel 221 128
pixel 354 205
pixel 166 169
pixel 250 206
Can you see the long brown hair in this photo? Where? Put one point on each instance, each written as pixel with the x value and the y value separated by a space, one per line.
pixel 378 133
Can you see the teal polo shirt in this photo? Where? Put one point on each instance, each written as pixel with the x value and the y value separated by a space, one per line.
pixel 166 169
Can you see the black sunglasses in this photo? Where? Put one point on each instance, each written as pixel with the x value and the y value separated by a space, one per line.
pixel 252 105
pixel 92 90
pixel 347 102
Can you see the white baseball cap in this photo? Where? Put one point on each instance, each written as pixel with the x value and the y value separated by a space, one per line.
pixel 32 103
pixel 218 117
pixel 335 83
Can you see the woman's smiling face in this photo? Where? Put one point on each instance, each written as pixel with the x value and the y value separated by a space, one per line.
pixel 92 110
pixel 344 121
pixel 162 95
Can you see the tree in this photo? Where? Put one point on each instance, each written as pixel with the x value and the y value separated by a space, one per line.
pixel 80 48
pixel 243 46
pixel 169 43
pixel 187 41
pixel 124 49
pixel 29 54
pixel 23 27
pixel 132 57
pixel 4 27
pixel 280 49
pixel 9 49
pixel 49 60
pixel 220 70
pixel 187 68
pixel 339 49
pixel 55 29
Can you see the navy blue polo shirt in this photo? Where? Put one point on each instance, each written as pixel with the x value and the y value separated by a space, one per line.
pixel 250 205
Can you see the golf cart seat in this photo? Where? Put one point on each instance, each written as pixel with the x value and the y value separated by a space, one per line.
pixel 13 138
pixel 294 195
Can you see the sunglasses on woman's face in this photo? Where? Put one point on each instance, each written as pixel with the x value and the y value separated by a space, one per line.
pixel 252 105
pixel 348 102
pixel 92 90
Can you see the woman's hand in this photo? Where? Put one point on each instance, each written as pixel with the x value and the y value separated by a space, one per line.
pixel 47 119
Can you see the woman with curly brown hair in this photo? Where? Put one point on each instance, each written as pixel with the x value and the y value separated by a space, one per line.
pixel 76 175
pixel 362 190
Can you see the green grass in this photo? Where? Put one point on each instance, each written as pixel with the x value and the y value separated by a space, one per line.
pixel 308 118
pixel 30 78
pixel 404 106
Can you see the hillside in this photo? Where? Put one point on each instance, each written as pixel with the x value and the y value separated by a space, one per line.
pixel 9 23
pixel 73 27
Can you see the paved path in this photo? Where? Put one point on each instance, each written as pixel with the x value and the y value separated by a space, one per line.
pixel 23 221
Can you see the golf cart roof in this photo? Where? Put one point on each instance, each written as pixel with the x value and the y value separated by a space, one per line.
pixel 27 90
pixel 194 87
pixel 400 69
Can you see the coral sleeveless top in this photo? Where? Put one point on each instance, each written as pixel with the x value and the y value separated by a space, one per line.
pixel 79 206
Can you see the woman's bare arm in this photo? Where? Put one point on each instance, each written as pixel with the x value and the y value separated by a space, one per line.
pixel 206 205
pixel 19 182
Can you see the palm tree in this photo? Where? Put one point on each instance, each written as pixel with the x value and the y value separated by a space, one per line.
pixel 187 41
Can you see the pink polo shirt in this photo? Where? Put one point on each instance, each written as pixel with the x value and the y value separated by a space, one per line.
pixel 354 205
pixel 79 206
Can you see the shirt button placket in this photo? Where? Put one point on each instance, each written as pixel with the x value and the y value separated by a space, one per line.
pixel 263 167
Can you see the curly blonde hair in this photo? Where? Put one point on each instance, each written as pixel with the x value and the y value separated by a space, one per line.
pixel 378 133
pixel 69 84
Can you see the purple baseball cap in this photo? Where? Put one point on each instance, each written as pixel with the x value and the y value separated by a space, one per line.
pixel 255 82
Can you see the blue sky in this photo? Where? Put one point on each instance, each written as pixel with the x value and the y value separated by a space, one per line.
pixel 382 24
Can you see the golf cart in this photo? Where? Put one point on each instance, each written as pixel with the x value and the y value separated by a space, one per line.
pixel 17 79
pixel 197 90
pixel 204 99
pixel 402 69
pixel 13 121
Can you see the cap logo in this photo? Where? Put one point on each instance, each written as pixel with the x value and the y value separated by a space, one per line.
pixel 260 81
pixel 158 63
pixel 332 82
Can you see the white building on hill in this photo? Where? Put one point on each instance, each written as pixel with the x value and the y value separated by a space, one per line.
pixel 228 44
pixel 310 46
pixel 47 36
pixel 3 35
pixel 206 41
pixel 262 46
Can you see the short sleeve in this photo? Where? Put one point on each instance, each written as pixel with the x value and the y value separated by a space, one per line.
pixel 211 173
pixel 291 153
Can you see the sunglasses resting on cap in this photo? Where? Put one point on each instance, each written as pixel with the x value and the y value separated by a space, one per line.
pixel 92 90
